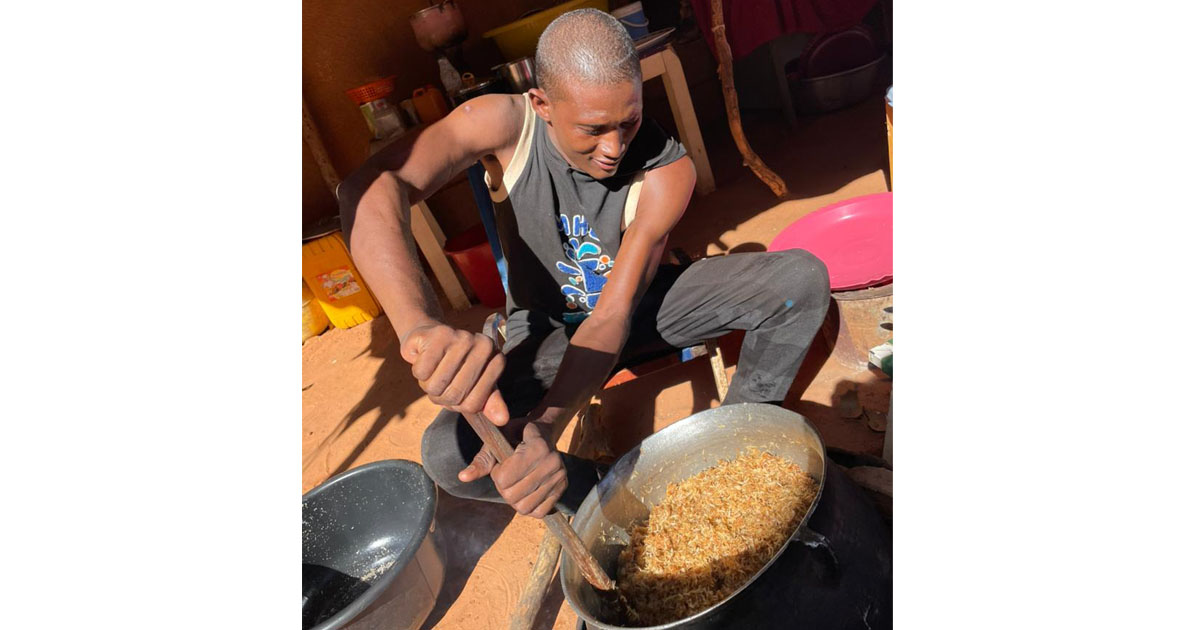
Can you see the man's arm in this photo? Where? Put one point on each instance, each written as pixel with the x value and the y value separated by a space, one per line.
pixel 594 347
pixel 458 369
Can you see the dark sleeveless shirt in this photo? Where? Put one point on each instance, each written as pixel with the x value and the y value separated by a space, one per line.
pixel 560 228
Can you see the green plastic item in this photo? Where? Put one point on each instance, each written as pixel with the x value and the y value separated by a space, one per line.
pixel 881 357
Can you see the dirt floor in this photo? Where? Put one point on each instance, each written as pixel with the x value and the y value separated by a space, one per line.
pixel 361 404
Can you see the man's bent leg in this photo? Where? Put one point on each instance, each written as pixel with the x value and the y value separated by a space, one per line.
pixel 446 449
pixel 778 298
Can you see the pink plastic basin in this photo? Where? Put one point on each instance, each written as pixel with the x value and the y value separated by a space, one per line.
pixel 853 238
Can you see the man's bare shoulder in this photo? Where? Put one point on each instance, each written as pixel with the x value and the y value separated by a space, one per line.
pixel 673 182
pixel 493 121
pixel 665 194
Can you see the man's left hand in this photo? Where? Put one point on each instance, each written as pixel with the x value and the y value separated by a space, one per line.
pixel 533 479
pixel 535 476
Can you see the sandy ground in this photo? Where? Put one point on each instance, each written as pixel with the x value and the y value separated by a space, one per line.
pixel 361 404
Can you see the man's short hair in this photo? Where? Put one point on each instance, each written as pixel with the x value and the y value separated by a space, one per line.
pixel 585 46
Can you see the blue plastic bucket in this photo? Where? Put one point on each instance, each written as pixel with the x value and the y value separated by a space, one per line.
pixel 633 19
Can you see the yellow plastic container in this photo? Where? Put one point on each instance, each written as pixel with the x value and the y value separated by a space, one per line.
pixel 336 283
pixel 519 39
pixel 315 320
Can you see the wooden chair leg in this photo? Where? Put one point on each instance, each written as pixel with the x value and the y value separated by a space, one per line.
pixel 427 240
pixel 717 361
pixel 778 63
pixel 680 100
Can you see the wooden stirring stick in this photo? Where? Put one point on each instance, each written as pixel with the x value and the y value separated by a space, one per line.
pixel 556 522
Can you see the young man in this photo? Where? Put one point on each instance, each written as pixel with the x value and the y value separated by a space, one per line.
pixel 585 197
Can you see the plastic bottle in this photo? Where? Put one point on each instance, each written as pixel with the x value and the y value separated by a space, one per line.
pixel 335 282
pixel 431 105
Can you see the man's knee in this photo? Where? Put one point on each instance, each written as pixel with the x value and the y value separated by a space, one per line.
pixel 802 278
pixel 439 447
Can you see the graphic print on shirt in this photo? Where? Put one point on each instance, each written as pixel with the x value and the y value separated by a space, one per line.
pixel 587 268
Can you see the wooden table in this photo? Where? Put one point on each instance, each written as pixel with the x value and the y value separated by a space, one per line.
pixel 665 64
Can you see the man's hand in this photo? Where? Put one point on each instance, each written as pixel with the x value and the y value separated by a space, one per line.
pixel 457 369
pixel 532 480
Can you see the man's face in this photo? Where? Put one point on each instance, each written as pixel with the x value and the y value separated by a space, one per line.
pixel 592 125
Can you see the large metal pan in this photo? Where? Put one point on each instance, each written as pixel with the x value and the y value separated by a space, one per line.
pixel 640 478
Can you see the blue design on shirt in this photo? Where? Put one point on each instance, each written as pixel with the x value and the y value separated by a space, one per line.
pixel 586 266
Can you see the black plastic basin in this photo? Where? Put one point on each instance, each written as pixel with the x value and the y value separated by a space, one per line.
pixel 370 560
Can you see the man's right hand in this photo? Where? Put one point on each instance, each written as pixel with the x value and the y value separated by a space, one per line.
pixel 457 369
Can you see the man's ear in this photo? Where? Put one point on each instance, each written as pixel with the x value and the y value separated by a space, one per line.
pixel 541 103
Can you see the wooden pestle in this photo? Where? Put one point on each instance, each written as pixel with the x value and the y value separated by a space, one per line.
pixel 499 447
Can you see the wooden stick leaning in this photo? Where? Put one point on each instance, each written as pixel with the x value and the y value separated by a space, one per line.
pixel 725 70
pixel 312 138
pixel 556 522
pixel 539 582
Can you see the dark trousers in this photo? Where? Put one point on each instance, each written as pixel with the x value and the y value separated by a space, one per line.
pixel 778 298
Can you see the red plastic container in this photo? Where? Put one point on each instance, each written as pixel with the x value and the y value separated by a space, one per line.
pixel 473 257
pixel 372 91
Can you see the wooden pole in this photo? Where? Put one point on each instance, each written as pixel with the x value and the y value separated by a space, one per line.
pixel 725 70
pixel 539 581
pixel 312 138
